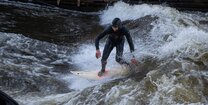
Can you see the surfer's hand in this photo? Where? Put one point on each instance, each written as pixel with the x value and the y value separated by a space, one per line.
pixel 134 61
pixel 98 54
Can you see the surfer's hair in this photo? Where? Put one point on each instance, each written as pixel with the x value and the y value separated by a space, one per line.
pixel 116 23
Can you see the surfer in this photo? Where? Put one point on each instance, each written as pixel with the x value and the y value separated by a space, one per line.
pixel 116 33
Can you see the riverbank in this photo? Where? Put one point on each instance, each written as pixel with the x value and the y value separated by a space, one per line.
pixel 97 5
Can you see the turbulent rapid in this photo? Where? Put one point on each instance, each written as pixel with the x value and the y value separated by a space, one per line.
pixel 171 47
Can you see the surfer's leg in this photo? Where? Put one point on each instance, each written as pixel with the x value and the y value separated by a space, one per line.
pixel 119 53
pixel 106 52
pixel 103 65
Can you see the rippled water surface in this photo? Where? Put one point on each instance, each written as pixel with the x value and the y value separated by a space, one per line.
pixel 40 45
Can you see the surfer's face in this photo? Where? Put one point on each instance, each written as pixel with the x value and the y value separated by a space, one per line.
pixel 115 28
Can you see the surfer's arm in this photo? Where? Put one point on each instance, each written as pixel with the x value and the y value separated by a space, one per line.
pixel 131 45
pixel 100 36
pixel 129 39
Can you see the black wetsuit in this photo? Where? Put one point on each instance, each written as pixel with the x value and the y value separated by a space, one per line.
pixel 115 39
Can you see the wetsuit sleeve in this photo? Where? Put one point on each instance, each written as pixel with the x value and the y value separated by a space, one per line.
pixel 129 39
pixel 100 36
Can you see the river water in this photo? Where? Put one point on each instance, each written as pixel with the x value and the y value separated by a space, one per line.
pixel 40 45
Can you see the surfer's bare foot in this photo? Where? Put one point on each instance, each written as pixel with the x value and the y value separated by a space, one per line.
pixel 100 73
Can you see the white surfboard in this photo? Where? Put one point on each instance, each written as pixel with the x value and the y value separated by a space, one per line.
pixel 93 75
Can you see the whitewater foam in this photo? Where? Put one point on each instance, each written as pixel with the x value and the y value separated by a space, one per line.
pixel 187 39
pixel 85 58
pixel 172 31
pixel 179 37
pixel 131 12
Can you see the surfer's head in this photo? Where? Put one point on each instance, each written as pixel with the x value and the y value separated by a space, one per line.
pixel 116 24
